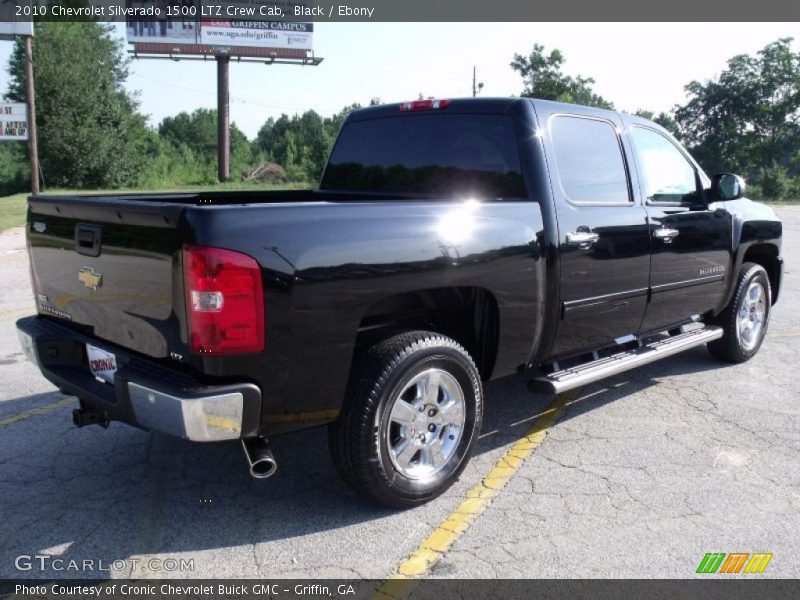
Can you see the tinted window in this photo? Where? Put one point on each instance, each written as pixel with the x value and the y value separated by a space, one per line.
pixel 589 160
pixel 667 176
pixel 462 155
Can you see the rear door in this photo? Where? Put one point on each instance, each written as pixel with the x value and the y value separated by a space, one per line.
pixel 603 234
pixel 691 240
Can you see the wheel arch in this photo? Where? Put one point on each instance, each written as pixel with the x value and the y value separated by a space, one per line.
pixel 766 255
pixel 467 314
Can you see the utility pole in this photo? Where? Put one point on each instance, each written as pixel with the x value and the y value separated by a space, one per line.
pixel 476 87
pixel 30 93
pixel 223 118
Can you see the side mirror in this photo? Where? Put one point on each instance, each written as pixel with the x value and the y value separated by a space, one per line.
pixel 727 186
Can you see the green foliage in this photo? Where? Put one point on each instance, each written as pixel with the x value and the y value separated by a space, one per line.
pixel 89 131
pixel 664 119
pixel 669 123
pixel 189 144
pixel 300 143
pixel 542 76
pixel 174 164
pixel 775 182
pixel 645 114
pixel 747 120
pixel 14 173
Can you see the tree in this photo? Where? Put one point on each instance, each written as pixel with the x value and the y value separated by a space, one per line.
pixel 198 131
pixel 335 122
pixel 300 143
pixel 664 119
pixel 90 134
pixel 775 182
pixel 668 122
pixel 14 173
pixel 747 120
pixel 542 76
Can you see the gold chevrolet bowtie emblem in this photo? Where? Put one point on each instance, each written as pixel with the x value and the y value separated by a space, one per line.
pixel 89 278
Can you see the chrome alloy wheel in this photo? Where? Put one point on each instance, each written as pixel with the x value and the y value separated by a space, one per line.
pixel 426 421
pixel 750 320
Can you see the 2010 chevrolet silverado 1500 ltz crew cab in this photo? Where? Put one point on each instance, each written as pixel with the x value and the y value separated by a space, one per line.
pixel 450 242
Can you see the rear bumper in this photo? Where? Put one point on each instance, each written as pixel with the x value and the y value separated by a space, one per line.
pixel 145 394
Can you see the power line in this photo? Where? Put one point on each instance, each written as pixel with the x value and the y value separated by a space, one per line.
pixel 238 99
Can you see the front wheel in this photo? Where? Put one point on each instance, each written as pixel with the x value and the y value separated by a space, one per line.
pixel 745 319
pixel 411 420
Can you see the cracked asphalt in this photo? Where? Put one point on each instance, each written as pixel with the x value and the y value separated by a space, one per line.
pixel 640 477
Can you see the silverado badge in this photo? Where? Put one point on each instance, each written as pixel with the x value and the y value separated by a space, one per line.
pixel 90 278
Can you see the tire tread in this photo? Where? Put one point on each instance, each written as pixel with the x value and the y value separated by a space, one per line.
pixel 352 435
pixel 727 347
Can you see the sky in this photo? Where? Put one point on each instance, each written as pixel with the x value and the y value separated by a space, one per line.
pixel 635 65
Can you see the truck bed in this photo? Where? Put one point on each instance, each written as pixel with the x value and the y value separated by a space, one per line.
pixel 215 197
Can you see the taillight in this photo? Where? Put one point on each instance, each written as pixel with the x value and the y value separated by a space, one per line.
pixel 424 105
pixel 224 301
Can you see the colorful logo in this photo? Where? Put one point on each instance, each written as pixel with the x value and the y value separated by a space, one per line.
pixel 736 562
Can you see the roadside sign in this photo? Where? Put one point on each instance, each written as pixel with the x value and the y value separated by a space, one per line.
pixel 13 121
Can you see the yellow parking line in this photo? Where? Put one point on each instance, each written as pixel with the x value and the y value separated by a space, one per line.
pixel 16 312
pixel 36 411
pixel 779 334
pixel 422 560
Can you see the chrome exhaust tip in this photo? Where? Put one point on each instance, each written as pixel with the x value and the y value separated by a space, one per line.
pixel 259 458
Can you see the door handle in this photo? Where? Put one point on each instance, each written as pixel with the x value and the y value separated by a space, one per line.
pixel 87 239
pixel 666 234
pixel 584 239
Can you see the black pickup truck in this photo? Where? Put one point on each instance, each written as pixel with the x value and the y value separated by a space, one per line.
pixel 450 242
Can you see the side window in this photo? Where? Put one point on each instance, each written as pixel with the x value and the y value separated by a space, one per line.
pixel 668 177
pixel 589 160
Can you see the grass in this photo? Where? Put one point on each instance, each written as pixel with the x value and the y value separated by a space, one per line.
pixel 12 211
pixel 13 208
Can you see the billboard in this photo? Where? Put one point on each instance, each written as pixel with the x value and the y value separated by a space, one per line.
pixel 13 121
pixel 163 26
pixel 196 27
pixel 8 26
pixel 269 34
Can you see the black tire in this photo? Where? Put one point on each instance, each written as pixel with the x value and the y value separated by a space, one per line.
pixel 359 439
pixel 730 347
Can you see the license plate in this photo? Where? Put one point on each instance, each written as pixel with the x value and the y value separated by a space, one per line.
pixel 102 364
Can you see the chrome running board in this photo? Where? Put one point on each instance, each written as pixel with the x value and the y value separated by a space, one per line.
pixel 580 375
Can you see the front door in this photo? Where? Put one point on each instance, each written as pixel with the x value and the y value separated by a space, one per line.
pixel 603 232
pixel 691 240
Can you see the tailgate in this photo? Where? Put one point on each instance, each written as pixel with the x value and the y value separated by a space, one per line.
pixel 110 264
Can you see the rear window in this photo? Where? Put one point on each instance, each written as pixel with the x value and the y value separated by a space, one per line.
pixel 459 155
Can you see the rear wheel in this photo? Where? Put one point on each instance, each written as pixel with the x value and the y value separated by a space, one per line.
pixel 410 423
pixel 745 318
